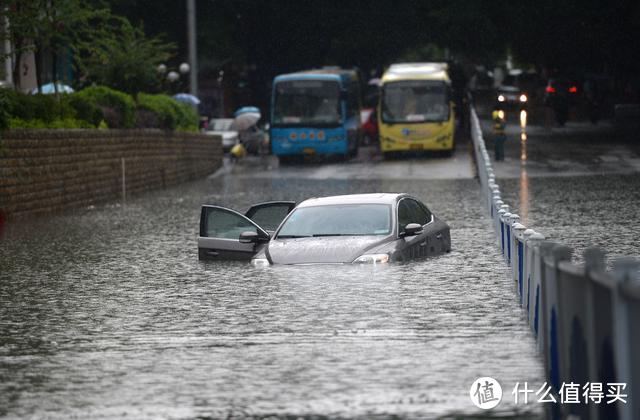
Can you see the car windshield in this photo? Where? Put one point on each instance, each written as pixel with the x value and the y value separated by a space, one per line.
pixel 509 80
pixel 220 124
pixel 307 102
pixel 338 220
pixel 415 101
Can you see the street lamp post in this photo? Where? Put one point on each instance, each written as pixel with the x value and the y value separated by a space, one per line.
pixel 193 54
pixel 172 76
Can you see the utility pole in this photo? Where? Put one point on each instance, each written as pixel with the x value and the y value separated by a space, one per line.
pixel 193 54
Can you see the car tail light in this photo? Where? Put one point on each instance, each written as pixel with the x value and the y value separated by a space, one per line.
pixel 550 89
pixel 573 89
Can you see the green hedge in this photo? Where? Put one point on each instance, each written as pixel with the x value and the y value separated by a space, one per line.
pixel 94 107
pixel 56 123
pixel 187 116
pixel 161 106
pixel 118 108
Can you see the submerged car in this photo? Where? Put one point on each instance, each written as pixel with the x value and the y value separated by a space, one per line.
pixel 344 229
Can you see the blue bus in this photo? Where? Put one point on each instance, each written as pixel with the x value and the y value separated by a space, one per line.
pixel 316 112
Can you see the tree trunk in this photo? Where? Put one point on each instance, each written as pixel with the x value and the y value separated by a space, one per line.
pixel 16 70
pixel 39 57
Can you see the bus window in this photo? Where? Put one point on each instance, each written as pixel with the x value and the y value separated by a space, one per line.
pixel 415 101
pixel 307 102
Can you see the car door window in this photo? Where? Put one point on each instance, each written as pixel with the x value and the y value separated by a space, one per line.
pixel 410 211
pixel 269 215
pixel 425 211
pixel 223 223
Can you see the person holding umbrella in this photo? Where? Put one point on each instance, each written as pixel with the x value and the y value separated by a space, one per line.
pixel 251 137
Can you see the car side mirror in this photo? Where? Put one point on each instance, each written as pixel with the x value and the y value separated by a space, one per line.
pixel 412 229
pixel 249 237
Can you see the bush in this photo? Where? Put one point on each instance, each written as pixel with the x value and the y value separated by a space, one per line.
pixel 160 105
pixel 55 123
pixel 41 107
pixel 94 107
pixel 187 117
pixel 170 114
pixel 4 114
pixel 86 108
pixel 110 99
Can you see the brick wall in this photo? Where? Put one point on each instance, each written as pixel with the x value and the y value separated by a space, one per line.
pixel 45 171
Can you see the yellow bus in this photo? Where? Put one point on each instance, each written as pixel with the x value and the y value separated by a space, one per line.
pixel 415 110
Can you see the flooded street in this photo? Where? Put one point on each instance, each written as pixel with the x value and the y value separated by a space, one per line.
pixel 576 184
pixel 108 313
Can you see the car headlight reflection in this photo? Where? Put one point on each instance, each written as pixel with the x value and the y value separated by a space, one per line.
pixel 372 259
pixel 260 262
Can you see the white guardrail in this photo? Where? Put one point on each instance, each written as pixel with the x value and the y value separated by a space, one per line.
pixel 586 320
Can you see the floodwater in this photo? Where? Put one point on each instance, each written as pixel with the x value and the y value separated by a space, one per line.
pixel 107 313
pixel 576 184
pixel 581 211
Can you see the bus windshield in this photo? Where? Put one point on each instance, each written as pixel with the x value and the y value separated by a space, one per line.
pixel 307 102
pixel 415 101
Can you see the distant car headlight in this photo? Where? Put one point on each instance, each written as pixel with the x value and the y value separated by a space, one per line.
pixel 523 98
pixel 260 262
pixel 500 98
pixel 372 259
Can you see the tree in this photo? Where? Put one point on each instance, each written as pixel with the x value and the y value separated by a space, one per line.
pixel 94 37
pixel 128 60
pixel 51 26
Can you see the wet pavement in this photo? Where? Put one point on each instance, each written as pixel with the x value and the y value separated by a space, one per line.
pixel 107 313
pixel 576 184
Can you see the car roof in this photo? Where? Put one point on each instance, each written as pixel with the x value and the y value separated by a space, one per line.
pixel 376 198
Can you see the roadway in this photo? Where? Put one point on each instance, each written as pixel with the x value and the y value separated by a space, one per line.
pixel 107 313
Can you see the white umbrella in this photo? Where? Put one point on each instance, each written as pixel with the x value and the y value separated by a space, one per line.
pixel 49 88
pixel 244 121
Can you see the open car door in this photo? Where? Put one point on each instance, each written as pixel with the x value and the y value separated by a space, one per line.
pixel 220 230
pixel 269 215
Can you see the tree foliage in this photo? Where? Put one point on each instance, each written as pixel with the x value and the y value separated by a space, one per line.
pixel 105 48
pixel 52 26
pixel 128 60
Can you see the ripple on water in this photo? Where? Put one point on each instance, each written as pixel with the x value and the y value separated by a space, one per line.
pixel 108 313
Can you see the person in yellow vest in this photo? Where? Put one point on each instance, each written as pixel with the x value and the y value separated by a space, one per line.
pixel 499 136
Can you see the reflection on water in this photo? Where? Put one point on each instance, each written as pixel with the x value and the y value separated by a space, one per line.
pixel 109 314
pixel 523 119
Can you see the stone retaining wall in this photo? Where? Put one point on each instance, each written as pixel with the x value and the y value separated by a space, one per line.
pixel 45 171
